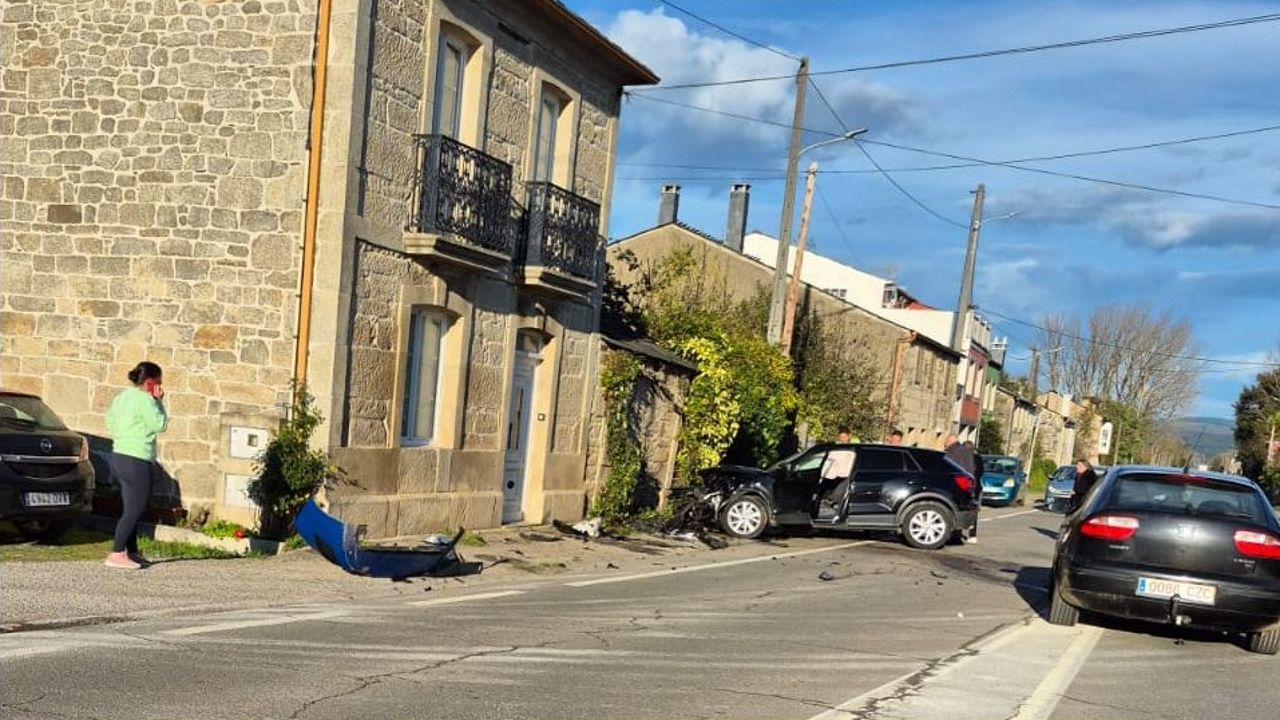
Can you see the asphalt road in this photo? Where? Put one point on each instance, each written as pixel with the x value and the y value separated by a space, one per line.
pixel 895 633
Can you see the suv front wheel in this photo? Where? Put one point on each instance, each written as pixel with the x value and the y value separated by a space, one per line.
pixel 745 517
pixel 927 525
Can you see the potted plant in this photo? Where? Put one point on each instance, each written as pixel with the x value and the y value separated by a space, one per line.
pixel 289 470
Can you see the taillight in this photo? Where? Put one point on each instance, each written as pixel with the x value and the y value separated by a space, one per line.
pixel 964 482
pixel 1110 527
pixel 84 449
pixel 1254 544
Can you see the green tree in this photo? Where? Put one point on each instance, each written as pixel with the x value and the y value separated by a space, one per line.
pixel 290 471
pixel 991 436
pixel 1256 411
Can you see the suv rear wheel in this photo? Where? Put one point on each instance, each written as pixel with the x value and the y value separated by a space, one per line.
pixel 927 525
pixel 745 517
pixel 1265 643
pixel 1060 613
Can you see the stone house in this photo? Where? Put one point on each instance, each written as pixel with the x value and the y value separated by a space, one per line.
pixel 157 203
pixel 917 373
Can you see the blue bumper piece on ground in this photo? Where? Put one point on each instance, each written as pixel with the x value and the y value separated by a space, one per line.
pixel 337 542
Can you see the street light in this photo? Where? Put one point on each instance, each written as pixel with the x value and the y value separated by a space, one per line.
pixel 778 302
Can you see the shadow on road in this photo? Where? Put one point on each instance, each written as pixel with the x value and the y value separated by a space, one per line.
pixel 1032 584
pixel 1052 534
pixel 1177 635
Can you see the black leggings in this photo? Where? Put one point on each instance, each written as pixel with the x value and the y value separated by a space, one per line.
pixel 134 477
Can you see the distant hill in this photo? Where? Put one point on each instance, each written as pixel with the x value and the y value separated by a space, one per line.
pixel 1206 435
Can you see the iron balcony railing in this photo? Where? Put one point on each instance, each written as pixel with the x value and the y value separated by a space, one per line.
pixel 464 192
pixel 563 231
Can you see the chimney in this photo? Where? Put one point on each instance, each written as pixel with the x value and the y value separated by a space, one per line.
pixel 669 204
pixel 739 197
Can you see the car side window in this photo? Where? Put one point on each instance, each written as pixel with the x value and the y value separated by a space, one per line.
pixel 876 460
pixel 809 461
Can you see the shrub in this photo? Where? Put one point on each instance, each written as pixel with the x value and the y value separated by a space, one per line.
pixel 290 471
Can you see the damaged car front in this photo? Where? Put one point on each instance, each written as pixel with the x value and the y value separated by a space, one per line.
pixel 737 497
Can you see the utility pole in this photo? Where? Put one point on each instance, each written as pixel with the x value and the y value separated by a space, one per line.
pixel 793 290
pixel 960 325
pixel 1035 374
pixel 778 299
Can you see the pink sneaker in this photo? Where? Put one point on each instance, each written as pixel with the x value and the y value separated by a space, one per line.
pixel 122 561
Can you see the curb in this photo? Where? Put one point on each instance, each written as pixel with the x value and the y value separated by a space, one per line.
pixel 169 533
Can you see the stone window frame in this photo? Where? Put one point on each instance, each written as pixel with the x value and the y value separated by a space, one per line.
pixel 564 163
pixel 442 322
pixel 478 67
pixel 451 376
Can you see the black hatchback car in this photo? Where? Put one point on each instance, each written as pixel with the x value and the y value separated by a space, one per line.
pixel 46 479
pixel 917 493
pixel 1164 545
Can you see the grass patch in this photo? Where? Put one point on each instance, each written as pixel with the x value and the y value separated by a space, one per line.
pixel 469 539
pixel 294 542
pixel 92 545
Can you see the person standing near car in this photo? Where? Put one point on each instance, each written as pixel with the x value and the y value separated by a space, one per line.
pixel 967 459
pixel 135 417
pixel 1086 478
pixel 834 477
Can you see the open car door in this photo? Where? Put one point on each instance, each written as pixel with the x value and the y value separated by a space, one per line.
pixel 795 487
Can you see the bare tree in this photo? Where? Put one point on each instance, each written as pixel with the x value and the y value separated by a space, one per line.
pixel 1129 354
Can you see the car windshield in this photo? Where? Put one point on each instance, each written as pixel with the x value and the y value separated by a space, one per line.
pixel 1003 465
pixel 1064 474
pixel 1187 495
pixel 27 413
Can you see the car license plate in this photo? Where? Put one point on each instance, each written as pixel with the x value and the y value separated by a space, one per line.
pixel 1186 592
pixel 46 499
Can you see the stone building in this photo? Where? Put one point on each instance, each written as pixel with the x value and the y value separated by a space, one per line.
pixel 155 205
pixel 917 373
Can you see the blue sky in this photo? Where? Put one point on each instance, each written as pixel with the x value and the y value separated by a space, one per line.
pixel 1074 245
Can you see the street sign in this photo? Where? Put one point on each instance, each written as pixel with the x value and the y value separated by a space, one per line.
pixel 1104 439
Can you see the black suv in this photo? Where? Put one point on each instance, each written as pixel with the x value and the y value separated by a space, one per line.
pixel 918 493
pixel 46 479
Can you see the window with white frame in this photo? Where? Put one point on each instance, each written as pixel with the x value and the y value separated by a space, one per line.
pixel 450 66
pixel 422 376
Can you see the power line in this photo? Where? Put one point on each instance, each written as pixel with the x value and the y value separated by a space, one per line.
pixel 727 31
pixel 1115 346
pixel 1083 178
pixel 906 192
pixel 844 237
pixel 1144 34
pixel 977 161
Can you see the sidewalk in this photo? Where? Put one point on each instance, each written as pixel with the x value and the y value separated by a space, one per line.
pixel 51 594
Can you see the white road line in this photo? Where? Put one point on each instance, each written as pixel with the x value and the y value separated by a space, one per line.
pixel 1044 699
pixel 849 709
pixel 713 566
pixel 258 622
pixel 465 598
pixel 1007 515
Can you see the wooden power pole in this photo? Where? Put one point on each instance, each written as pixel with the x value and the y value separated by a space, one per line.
pixel 778 299
pixel 793 290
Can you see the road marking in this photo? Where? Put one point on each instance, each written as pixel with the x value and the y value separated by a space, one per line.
pixel 1033 663
pixel 1044 699
pixel 1008 515
pixel 257 622
pixel 465 598
pixel 714 566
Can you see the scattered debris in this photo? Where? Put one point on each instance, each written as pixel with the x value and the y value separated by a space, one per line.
pixel 585 530
pixel 960 615
pixel 826 576
pixel 937 574
pixel 532 536
pixel 611 566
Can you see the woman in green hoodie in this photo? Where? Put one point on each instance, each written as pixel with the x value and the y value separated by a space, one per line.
pixel 134 419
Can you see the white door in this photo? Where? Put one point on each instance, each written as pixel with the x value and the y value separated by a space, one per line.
pixel 513 470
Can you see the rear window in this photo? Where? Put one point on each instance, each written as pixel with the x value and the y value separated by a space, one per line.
pixel 934 461
pixel 27 413
pixel 882 460
pixel 1003 465
pixel 1183 495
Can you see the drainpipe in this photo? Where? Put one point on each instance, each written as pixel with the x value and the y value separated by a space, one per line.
pixel 892 415
pixel 314 147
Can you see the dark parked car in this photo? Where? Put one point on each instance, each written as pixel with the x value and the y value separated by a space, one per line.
pixel 918 493
pixel 1163 545
pixel 46 479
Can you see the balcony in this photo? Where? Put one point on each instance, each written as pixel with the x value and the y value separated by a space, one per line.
pixel 560 250
pixel 462 209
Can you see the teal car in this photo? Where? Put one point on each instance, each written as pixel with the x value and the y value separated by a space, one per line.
pixel 1002 480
